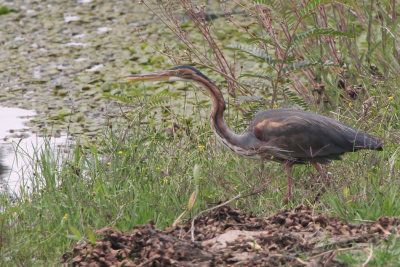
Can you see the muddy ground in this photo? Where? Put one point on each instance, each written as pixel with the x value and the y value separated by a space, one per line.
pixel 226 236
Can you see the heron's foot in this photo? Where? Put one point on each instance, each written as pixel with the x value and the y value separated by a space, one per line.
pixel 324 175
pixel 326 180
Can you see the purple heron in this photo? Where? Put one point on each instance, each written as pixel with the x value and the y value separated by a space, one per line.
pixel 284 135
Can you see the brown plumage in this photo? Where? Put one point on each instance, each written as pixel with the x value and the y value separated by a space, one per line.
pixel 283 135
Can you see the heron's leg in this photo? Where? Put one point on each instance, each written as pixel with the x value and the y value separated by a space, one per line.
pixel 288 166
pixel 322 173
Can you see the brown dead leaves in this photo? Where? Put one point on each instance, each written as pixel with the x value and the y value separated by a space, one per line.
pixel 229 237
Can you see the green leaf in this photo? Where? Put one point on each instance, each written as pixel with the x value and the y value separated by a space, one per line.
pixel 73 237
pixel 255 51
pixel 266 77
pixel 196 173
pixel 91 236
pixel 160 98
pixel 264 40
pixel 260 2
pixel 313 4
pixel 75 232
pixel 293 97
pixel 4 10
pixel 270 3
pixel 118 97
pixel 305 64
pixel 319 31
pixel 253 108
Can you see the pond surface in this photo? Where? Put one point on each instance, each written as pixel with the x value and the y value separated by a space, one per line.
pixel 63 61
pixel 58 59
pixel 18 149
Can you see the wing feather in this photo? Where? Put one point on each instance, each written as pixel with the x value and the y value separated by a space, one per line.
pixel 305 135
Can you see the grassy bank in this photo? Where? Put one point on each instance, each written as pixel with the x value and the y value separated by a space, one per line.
pixel 145 169
pixel 146 173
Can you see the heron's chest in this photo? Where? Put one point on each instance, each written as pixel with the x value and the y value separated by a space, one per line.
pixel 247 153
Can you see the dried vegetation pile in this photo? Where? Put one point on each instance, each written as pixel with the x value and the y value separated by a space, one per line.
pixel 227 236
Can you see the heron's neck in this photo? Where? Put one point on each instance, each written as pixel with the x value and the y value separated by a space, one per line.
pixel 226 135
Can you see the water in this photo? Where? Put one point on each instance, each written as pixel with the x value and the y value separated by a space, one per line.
pixel 17 148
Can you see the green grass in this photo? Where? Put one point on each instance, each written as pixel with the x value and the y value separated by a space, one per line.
pixel 386 253
pixel 4 10
pixel 145 172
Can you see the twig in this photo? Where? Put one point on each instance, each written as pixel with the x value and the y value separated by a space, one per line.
pixel 341 240
pixel 302 261
pixel 330 251
pixel 371 253
pixel 331 257
pixel 255 191
pixel 118 217
pixel 363 221
pixel 210 209
pixel 125 131
pixel 392 162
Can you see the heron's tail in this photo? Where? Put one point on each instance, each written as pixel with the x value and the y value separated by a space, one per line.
pixel 366 141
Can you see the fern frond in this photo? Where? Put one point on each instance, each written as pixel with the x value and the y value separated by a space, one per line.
pixel 293 97
pixel 252 109
pixel 159 98
pixel 164 93
pixel 319 31
pixel 261 76
pixel 313 4
pixel 264 40
pixel 255 52
pixel 260 2
pixel 305 64
pixel 290 18
pixel 269 3
pixel 120 98
pixel 244 100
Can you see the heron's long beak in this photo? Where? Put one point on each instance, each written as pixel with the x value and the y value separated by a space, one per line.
pixel 155 76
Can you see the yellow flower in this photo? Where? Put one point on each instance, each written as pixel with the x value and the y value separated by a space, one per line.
pixel 158 168
pixel 350 104
pixel 272 157
pixel 65 216
pixel 390 97
pixel 120 152
pixel 275 106
pixel 165 180
pixel 109 163
pixel 201 147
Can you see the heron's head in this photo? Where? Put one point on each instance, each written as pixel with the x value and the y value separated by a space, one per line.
pixel 180 73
